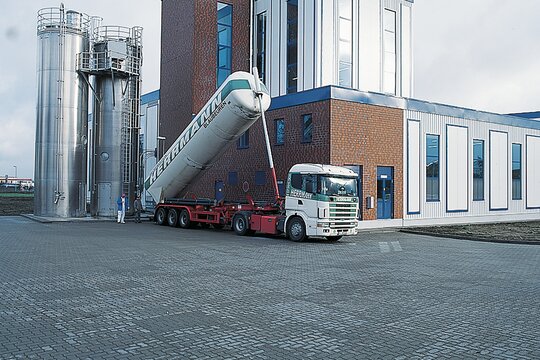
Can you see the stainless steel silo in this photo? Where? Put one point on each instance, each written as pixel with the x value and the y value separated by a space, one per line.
pixel 62 112
pixel 114 62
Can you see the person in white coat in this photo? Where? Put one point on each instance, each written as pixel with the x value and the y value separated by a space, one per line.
pixel 123 205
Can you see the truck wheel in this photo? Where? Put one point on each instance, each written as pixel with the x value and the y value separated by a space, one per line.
pixel 333 238
pixel 172 217
pixel 296 229
pixel 240 224
pixel 184 220
pixel 218 226
pixel 161 216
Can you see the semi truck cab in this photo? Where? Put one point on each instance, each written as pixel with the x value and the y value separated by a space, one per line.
pixel 321 200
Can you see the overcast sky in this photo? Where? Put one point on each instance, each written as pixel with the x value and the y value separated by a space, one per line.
pixel 481 54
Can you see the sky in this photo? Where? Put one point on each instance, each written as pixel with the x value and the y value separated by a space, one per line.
pixel 480 54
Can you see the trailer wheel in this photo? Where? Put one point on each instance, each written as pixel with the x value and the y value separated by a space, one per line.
pixel 333 238
pixel 296 229
pixel 172 217
pixel 184 220
pixel 161 215
pixel 240 224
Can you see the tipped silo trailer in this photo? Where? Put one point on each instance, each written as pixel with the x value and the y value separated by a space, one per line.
pixel 321 200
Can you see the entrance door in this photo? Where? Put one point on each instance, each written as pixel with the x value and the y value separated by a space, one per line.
pixel 385 192
pixel 219 190
pixel 358 170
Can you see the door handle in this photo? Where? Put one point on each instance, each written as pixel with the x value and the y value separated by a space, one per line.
pixel 300 202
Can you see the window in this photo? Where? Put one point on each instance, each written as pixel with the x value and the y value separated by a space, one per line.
pixel 243 140
pixel 389 67
pixel 224 42
pixel 261 46
pixel 233 178
pixel 307 128
pixel 280 131
pixel 478 170
pixel 516 171
pixel 260 178
pixel 292 41
pixel 345 43
pixel 432 168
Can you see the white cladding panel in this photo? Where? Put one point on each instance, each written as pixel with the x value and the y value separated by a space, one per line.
pixel 532 170
pixel 275 38
pixel 369 61
pixel 406 51
pixel 413 166
pixel 308 44
pixel 498 174
pixel 436 212
pixel 327 33
pixel 457 169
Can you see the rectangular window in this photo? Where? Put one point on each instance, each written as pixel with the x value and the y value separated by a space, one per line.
pixel 478 170
pixel 243 140
pixel 389 43
pixel 260 178
pixel 224 42
pixel 233 178
pixel 345 43
pixel 516 171
pixel 292 48
pixel 432 168
pixel 280 131
pixel 261 46
pixel 307 128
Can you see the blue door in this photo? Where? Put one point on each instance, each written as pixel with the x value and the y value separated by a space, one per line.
pixel 358 170
pixel 385 192
pixel 219 190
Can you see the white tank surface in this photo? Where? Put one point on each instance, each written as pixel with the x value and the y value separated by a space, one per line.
pixel 232 110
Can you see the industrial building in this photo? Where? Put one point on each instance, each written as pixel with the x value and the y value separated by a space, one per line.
pixel 341 79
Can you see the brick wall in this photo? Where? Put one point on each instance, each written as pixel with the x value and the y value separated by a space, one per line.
pixel 370 136
pixel 246 162
pixel 189 57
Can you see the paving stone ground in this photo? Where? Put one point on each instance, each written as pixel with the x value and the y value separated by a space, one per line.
pixel 141 291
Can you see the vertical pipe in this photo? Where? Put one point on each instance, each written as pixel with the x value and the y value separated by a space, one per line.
pixel 266 137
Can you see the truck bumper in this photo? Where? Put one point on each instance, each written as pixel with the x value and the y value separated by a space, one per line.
pixel 324 229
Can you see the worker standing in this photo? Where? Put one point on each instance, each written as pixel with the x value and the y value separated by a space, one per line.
pixel 137 207
pixel 123 204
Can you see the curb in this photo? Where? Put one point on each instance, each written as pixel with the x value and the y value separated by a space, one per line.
pixel 469 238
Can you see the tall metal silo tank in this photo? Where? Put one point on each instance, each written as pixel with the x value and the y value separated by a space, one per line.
pixel 107 145
pixel 62 112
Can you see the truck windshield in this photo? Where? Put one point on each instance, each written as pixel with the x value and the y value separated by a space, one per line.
pixel 339 186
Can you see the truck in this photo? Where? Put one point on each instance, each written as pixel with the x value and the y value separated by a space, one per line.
pixel 320 200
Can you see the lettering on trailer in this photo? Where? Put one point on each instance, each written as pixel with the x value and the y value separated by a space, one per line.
pixel 203 119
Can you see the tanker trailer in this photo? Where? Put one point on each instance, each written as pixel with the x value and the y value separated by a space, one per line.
pixel 223 119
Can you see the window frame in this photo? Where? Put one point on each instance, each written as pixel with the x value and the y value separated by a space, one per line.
pixel 276 122
pixel 304 139
pixel 431 199
pixel 483 195
pixel 520 162
pixel 220 47
pixel 291 84
pixel 243 140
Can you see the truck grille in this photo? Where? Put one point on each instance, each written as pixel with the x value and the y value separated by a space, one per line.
pixel 343 215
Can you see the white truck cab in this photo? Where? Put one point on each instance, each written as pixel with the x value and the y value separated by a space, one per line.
pixel 321 200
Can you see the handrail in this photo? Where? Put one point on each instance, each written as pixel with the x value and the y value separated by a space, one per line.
pixel 53 17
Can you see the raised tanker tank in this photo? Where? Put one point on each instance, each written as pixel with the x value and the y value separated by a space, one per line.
pixel 225 117
pixel 62 114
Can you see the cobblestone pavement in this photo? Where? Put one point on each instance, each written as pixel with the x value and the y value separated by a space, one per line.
pixel 108 291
